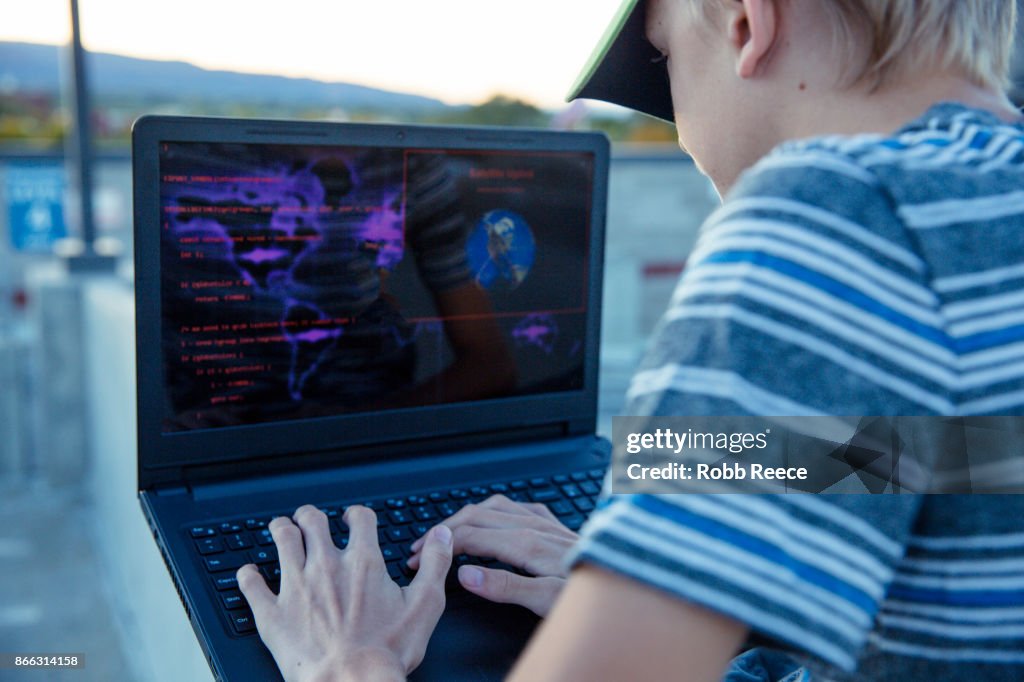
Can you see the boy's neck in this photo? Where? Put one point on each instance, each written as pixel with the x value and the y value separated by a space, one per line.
pixel 889 108
pixel 786 113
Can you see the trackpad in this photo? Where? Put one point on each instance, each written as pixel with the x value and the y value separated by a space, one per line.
pixel 475 640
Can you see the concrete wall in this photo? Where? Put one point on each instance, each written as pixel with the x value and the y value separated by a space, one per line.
pixel 15 425
pixel 656 204
pixel 57 407
pixel 657 200
pixel 158 641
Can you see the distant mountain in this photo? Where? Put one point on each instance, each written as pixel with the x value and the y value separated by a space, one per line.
pixel 38 68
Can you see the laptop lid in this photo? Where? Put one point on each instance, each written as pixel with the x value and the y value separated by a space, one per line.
pixel 350 289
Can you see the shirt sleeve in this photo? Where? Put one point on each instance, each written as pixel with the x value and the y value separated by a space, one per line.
pixel 437 229
pixel 804 296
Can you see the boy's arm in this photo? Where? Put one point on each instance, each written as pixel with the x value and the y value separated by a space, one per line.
pixel 607 627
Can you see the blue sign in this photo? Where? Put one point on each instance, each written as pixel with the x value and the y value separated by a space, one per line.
pixel 35 205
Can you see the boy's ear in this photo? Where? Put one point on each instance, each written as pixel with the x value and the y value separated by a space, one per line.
pixel 753 29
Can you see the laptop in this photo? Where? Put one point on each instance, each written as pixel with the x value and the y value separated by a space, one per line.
pixel 405 317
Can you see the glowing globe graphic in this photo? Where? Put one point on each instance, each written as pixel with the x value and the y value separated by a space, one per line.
pixel 501 250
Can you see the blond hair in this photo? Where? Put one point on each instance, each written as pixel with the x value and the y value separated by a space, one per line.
pixel 885 37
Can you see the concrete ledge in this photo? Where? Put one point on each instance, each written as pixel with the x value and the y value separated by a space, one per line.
pixel 157 637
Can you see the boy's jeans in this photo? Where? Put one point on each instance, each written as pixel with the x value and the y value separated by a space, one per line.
pixel 765 665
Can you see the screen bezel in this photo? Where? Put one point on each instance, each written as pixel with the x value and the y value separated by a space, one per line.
pixel 162 457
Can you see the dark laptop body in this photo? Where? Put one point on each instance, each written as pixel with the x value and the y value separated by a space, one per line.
pixel 308 333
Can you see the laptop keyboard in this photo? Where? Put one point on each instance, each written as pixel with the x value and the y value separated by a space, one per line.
pixel 225 546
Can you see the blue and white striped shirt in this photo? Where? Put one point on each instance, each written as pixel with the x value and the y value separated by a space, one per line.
pixel 863 275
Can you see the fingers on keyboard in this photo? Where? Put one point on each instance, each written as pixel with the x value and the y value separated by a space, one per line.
pixel 224 546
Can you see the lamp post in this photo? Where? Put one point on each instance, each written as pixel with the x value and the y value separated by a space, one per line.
pixel 80 158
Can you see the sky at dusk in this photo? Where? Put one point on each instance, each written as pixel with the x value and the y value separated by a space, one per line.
pixel 461 51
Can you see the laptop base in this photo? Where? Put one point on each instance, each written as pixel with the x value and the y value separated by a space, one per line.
pixel 475 640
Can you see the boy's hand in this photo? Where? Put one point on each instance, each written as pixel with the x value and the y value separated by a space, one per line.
pixel 339 616
pixel 527 536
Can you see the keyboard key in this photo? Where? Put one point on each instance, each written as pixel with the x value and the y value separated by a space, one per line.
pixel 584 504
pixel 264 538
pixel 416 500
pixel 330 512
pixel 255 524
pixel 544 495
pixel 399 517
pixel 419 529
pixel 560 479
pixel 263 556
pixel 390 553
pixel 271 572
pixel 518 485
pixel 571 491
pixel 227 562
pixel 396 504
pixel 573 522
pixel 578 476
pixel 562 508
pixel 446 509
pixel 395 570
pixel 230 527
pixel 425 514
pixel 437 497
pixel 499 488
pixel 243 622
pixel 397 534
pixel 590 488
pixel 479 491
pixel 210 545
pixel 458 494
pixel 341 541
pixel 225 582
pixel 233 600
pixel 202 531
pixel 518 497
pixel 239 541
pixel 539 482
pixel 596 474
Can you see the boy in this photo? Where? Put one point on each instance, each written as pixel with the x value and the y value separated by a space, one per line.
pixel 867 260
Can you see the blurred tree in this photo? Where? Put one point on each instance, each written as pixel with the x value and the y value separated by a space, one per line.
pixel 632 128
pixel 616 128
pixel 645 129
pixel 499 110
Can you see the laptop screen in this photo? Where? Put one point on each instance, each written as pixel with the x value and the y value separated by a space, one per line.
pixel 315 281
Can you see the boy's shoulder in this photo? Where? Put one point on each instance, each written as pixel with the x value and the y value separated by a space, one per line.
pixel 871 191
pixel 951 147
pixel 817 191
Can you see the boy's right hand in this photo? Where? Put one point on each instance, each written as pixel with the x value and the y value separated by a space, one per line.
pixel 524 535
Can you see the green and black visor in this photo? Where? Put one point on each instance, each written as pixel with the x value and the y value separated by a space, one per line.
pixel 625 68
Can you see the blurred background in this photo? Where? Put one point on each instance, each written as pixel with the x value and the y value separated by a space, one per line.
pixel 80 570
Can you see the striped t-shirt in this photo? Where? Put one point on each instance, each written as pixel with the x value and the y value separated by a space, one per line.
pixel 863 275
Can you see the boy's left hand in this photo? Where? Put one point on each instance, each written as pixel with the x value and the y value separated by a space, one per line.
pixel 339 616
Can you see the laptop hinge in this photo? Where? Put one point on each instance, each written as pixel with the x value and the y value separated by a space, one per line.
pixel 369 471
pixel 169 491
pixel 196 476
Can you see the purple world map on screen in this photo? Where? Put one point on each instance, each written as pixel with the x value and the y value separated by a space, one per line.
pixel 268 223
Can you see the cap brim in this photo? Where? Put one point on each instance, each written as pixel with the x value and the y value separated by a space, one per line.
pixel 625 68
